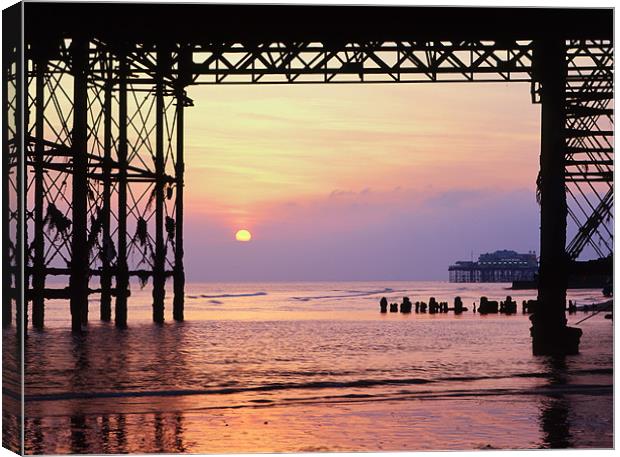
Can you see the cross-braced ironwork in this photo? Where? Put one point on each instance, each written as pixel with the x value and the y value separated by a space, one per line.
pixel 371 61
pixel 589 146
pixel 112 214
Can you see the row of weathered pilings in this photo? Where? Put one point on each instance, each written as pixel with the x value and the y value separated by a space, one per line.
pixel 486 306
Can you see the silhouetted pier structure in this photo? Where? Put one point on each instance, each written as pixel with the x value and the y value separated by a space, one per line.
pixel 103 102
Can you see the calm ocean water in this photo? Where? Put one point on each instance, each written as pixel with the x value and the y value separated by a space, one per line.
pixel 277 367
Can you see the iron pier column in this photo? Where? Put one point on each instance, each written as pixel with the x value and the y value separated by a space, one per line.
pixel 179 271
pixel 122 273
pixel 78 282
pixel 178 312
pixel 550 334
pixel 159 278
pixel 105 311
pixel 38 276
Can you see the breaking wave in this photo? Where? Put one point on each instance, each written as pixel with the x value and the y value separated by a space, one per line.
pixel 349 384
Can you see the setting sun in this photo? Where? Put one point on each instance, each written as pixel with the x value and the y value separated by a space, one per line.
pixel 243 235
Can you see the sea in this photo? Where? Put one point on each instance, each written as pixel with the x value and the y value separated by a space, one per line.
pixel 313 366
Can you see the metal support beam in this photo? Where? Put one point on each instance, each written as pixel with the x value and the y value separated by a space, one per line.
pixel 122 273
pixel 179 271
pixel 105 311
pixel 549 331
pixel 364 61
pixel 159 278
pixel 38 277
pixel 78 282
pixel 178 311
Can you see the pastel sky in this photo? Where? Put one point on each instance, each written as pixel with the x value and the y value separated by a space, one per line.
pixel 357 182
